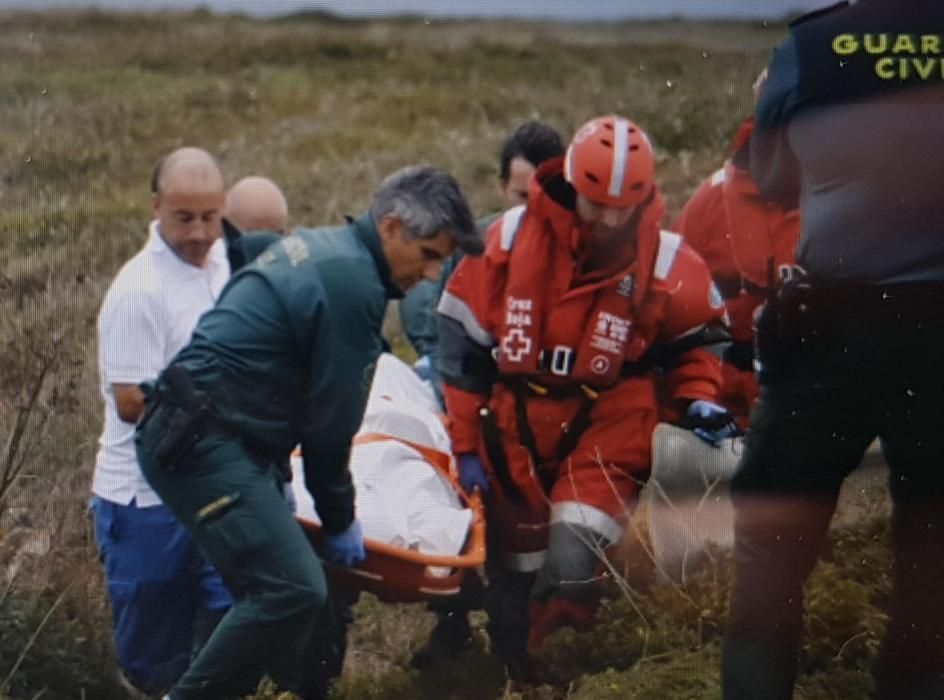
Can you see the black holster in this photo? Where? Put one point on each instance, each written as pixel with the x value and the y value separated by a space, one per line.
pixel 177 414
pixel 791 323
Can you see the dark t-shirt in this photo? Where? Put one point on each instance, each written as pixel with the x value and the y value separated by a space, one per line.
pixel 847 126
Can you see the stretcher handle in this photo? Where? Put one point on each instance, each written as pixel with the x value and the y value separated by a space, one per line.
pixel 474 551
pixel 443 463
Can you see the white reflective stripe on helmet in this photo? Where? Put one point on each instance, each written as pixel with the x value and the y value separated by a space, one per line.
pixel 620 156
pixel 669 243
pixel 589 517
pixel 569 164
pixel 524 562
pixel 453 307
pixel 511 222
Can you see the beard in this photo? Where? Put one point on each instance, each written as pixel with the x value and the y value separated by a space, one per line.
pixel 611 240
pixel 609 237
pixel 607 247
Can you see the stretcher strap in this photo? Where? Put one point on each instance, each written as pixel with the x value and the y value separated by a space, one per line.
pixel 440 461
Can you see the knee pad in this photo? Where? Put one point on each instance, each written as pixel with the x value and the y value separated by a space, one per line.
pixel 573 557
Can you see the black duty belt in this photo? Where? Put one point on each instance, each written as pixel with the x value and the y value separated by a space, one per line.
pixel 916 301
pixel 185 415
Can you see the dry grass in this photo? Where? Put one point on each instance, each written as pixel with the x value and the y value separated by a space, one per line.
pixel 88 101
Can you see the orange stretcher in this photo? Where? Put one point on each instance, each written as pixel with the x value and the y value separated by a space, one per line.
pixel 398 575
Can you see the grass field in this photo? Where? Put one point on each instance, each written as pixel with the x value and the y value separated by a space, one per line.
pixel 89 101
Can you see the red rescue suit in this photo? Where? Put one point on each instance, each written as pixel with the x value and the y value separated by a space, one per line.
pixel 703 224
pixel 736 232
pixel 760 231
pixel 573 354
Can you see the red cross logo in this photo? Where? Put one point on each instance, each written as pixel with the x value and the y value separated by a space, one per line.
pixel 516 345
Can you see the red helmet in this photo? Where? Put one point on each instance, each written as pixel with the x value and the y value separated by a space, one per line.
pixel 610 161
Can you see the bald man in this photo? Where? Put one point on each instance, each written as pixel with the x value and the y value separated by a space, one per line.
pixel 256 215
pixel 164 596
pixel 257 204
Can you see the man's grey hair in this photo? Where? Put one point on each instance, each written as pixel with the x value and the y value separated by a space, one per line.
pixel 427 200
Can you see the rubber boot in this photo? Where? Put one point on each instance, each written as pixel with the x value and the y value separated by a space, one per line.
pixel 449 638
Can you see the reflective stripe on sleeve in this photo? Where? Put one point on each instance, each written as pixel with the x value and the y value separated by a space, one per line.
pixel 709 343
pixel 589 517
pixel 669 244
pixel 524 562
pixel 691 331
pixel 511 222
pixel 453 307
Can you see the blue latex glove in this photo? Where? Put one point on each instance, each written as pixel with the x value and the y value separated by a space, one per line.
pixel 472 474
pixel 711 422
pixel 424 368
pixel 346 548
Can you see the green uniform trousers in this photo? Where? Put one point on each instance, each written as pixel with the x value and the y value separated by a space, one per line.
pixel 236 513
pixel 865 363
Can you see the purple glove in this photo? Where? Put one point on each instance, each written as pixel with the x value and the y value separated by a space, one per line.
pixel 346 548
pixel 472 474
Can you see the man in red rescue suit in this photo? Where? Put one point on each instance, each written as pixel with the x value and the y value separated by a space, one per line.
pixel 745 241
pixel 550 346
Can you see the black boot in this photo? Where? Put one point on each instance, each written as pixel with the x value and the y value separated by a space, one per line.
pixel 449 638
pixel 507 604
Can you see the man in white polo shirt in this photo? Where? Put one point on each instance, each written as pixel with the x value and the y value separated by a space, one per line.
pixel 164 595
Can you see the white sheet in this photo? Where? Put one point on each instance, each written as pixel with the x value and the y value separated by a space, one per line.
pixel 401 500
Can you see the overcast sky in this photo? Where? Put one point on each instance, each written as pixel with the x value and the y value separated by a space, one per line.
pixel 589 10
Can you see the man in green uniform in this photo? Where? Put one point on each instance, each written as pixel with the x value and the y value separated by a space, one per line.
pixel 283 359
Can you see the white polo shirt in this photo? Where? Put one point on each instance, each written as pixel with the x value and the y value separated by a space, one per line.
pixel 149 313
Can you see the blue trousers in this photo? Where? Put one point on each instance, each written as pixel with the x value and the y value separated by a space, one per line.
pixel 159 585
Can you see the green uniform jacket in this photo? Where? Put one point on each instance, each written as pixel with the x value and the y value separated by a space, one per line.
pixel 242 248
pixel 287 351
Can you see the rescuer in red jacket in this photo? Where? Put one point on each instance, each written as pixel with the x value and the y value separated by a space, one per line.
pixel 740 236
pixel 551 344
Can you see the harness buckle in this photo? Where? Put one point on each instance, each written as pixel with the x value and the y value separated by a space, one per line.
pixel 591 394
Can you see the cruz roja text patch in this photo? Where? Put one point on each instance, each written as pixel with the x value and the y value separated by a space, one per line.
pixel 517 343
